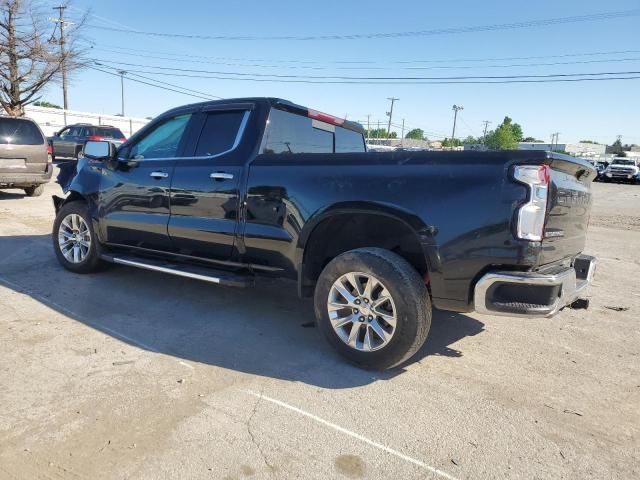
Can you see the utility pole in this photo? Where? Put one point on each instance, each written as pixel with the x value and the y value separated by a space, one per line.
pixel 63 65
pixel 390 113
pixel 368 125
pixel 484 135
pixel 122 74
pixel 456 109
pixel 402 134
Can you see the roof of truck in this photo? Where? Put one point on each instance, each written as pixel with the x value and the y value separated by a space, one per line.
pixel 273 102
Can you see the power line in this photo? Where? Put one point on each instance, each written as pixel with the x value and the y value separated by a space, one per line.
pixel 360 61
pixel 427 82
pixel 209 97
pixel 370 78
pixel 381 35
pixel 317 67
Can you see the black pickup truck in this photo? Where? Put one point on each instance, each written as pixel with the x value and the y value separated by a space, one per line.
pixel 228 190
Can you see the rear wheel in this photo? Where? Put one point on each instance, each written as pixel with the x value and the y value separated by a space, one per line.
pixel 74 241
pixel 373 307
pixel 34 190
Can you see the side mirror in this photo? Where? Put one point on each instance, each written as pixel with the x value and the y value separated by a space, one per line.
pixel 100 151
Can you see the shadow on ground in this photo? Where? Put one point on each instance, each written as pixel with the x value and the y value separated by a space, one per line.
pixel 12 194
pixel 260 331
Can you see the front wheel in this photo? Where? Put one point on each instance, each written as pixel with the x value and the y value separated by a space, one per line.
pixel 74 241
pixel 373 307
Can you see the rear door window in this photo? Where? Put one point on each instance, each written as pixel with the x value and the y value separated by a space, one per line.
pixel 291 133
pixel 219 132
pixel 19 132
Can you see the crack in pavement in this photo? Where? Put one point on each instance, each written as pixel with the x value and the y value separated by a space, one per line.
pixel 270 467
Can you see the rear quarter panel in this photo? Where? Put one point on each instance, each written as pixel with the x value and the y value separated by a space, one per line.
pixel 460 205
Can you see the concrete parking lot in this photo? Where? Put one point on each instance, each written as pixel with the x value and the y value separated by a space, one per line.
pixel 134 374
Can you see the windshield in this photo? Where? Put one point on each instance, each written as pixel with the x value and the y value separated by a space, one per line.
pixel 624 162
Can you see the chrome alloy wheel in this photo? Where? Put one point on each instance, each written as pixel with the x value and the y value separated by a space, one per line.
pixel 362 311
pixel 74 238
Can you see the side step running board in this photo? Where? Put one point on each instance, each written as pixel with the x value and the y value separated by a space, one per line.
pixel 183 270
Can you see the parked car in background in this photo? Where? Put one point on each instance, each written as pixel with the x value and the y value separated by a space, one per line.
pixel 224 191
pixel 25 158
pixel 600 168
pixel 622 170
pixel 69 141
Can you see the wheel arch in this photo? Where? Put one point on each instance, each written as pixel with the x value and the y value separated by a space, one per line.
pixel 350 225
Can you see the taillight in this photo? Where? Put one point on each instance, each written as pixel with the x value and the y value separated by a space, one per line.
pixel 531 215
pixel 95 138
pixel 325 117
pixel 49 153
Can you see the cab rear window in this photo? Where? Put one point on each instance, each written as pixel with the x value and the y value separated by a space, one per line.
pixel 19 132
pixel 292 133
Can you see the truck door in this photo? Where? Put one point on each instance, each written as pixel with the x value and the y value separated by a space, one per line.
pixel 134 194
pixel 205 197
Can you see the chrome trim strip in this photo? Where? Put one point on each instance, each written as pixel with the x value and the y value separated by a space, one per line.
pixel 171 271
pixel 571 287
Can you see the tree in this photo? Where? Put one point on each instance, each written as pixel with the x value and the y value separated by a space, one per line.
pixel 505 137
pixel 380 133
pixel 415 134
pixel 531 140
pixel 471 140
pixel 44 103
pixel 617 149
pixel 28 60
pixel 447 142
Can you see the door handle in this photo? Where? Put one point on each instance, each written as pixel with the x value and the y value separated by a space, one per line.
pixel 221 176
pixel 158 175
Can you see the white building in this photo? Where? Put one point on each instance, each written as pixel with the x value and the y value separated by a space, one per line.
pixel 52 120
pixel 578 149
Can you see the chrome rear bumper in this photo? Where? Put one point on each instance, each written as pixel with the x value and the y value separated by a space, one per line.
pixel 533 294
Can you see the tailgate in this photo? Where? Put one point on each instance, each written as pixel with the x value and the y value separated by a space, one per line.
pixel 568 208
pixel 21 159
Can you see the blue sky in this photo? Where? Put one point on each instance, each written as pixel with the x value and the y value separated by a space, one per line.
pixel 593 110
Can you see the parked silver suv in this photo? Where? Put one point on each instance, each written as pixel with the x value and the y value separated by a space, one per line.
pixel 25 158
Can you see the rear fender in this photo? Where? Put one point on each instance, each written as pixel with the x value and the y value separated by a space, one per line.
pixel 424 233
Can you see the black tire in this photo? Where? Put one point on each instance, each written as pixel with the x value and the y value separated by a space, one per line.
pixel 34 190
pixel 410 296
pixel 92 261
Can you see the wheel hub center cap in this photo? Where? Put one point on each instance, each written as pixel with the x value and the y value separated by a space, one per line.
pixel 365 309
